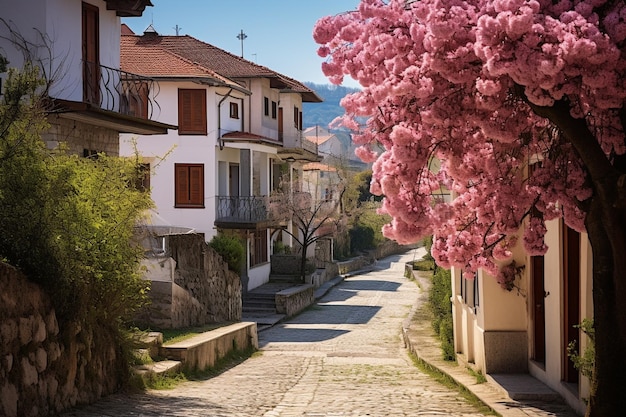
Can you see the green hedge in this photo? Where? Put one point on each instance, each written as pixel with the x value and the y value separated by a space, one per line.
pixel 441 307
pixel 230 249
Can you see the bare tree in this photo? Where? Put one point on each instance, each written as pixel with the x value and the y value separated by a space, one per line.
pixel 312 220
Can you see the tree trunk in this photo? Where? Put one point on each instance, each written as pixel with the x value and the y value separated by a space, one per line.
pixel 605 224
pixel 303 263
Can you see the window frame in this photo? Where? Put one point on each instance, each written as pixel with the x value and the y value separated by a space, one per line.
pixel 266 106
pixel 274 110
pixel 185 176
pixel 234 110
pixel 194 120
pixel 258 248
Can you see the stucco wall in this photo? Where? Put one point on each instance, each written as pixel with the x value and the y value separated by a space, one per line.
pixel 47 367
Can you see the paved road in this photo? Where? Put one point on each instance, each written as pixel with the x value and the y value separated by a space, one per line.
pixel 342 357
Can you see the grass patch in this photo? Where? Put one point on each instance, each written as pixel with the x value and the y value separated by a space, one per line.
pixel 480 378
pixel 178 335
pixel 450 383
pixel 424 265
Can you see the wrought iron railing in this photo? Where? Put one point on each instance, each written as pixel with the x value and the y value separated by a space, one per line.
pixel 119 91
pixel 249 209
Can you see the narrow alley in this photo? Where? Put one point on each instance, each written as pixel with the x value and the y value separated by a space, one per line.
pixel 343 356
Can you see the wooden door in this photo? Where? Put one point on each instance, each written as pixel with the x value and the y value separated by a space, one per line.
pixel 571 299
pixel 91 54
pixel 539 307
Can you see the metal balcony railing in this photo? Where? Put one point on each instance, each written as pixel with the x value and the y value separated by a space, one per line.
pixel 119 91
pixel 249 209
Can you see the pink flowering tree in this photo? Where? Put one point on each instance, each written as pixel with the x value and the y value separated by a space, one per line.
pixel 522 102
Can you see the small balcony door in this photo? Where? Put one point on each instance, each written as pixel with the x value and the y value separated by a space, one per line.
pixel 91 54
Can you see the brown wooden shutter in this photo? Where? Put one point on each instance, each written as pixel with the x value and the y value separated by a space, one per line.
pixel 189 185
pixel 182 185
pixel 196 185
pixel 192 112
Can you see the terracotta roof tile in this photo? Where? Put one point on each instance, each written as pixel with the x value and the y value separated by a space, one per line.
pixel 222 62
pixel 317 166
pixel 150 60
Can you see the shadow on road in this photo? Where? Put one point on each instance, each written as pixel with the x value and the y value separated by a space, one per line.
pixel 336 314
pixel 295 335
pixel 147 405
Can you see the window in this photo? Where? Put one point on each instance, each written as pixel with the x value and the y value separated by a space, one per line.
pixel 234 111
pixel 192 112
pixel 258 251
pixel 90 153
pixel 135 98
pixel 266 106
pixel 297 118
pixel 189 185
pixel 274 109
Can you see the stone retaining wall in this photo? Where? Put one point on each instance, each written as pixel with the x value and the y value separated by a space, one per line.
pixel 198 290
pixel 293 300
pixel 47 367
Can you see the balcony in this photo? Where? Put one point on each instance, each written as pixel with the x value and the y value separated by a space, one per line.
pixel 300 148
pixel 247 212
pixel 119 91
pixel 115 100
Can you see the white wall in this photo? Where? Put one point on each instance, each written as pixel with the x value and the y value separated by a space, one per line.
pixel 163 151
pixel 61 22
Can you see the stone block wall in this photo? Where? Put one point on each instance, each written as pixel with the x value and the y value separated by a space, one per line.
pixel 285 264
pixel 293 300
pixel 202 271
pixel 198 289
pixel 78 136
pixel 47 367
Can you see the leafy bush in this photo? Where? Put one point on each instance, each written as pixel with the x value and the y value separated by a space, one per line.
pixel 230 249
pixel 361 238
pixel 67 221
pixel 441 307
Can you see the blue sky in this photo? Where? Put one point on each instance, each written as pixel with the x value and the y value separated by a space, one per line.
pixel 279 32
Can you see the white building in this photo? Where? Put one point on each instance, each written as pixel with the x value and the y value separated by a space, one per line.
pixel 239 132
pixel 76 44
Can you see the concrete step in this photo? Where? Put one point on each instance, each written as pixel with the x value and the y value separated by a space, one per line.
pixel 166 367
pixel 202 351
pixel 285 278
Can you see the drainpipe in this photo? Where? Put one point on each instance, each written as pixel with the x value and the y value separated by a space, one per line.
pixel 219 119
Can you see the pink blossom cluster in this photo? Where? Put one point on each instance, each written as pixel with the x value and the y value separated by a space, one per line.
pixel 453 81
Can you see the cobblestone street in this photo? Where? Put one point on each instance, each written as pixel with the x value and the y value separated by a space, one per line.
pixel 342 357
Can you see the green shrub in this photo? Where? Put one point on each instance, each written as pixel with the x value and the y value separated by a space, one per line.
pixel 428 244
pixel 230 249
pixel 441 307
pixel 361 238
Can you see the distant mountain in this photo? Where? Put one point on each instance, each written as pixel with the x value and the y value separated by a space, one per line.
pixel 321 114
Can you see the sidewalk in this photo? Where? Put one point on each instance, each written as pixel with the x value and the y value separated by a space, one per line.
pixel 534 397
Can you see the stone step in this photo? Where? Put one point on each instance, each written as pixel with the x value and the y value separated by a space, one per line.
pixel 285 278
pixel 259 309
pixel 166 367
pixel 202 351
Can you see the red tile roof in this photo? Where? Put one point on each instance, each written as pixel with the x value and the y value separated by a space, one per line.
pixel 317 166
pixel 208 57
pixel 150 60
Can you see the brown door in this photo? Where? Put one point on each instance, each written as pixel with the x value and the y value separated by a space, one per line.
pixel 91 55
pixel 571 302
pixel 539 315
